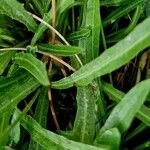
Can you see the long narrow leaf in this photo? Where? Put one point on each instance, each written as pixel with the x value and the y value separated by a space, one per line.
pixel 34 66
pixel 60 50
pixel 111 137
pixel 10 97
pixel 123 114
pixel 15 10
pixel 143 114
pixel 85 123
pixel 121 11
pixel 40 115
pixel 50 140
pixel 61 8
pixel 111 59
pixel 5 57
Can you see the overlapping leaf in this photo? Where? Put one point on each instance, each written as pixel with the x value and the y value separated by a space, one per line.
pixel 40 115
pixel 5 58
pixel 111 59
pixel 123 114
pixel 81 34
pixel 121 11
pixel 143 114
pixel 16 91
pixel 85 123
pixel 15 10
pixel 60 50
pixel 111 137
pixel 34 66
pixel 50 140
pixel 62 6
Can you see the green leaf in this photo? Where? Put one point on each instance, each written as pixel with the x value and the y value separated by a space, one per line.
pixel 143 146
pixel 132 134
pixel 45 4
pixel 85 124
pixel 15 10
pixel 5 58
pixel 111 137
pixel 20 115
pixel 40 115
pixel 12 94
pixel 121 11
pixel 147 9
pixel 143 114
pixel 38 5
pixel 111 59
pixel 4 122
pixel 89 99
pixel 15 132
pixel 60 50
pixel 78 35
pixel 91 20
pixel 7 82
pixel 50 140
pixel 34 66
pixel 113 2
pixel 124 112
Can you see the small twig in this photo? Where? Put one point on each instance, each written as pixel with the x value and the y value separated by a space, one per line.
pixel 49 26
pixel 13 49
pixel 53 110
pixel 53 19
pixel 54 30
pixel 58 59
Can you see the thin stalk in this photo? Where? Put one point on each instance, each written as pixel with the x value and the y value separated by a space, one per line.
pixel 53 19
pixel 53 110
pixel 54 30
pixel 135 132
pixel 13 49
pixel 59 60
pixel 143 146
pixel 73 20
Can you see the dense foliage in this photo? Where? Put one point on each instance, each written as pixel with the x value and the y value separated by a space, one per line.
pixel 74 74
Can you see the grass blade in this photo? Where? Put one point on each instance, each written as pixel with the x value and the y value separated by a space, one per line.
pixel 26 109
pixel 40 115
pixel 61 8
pixel 5 58
pixel 16 92
pixel 121 11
